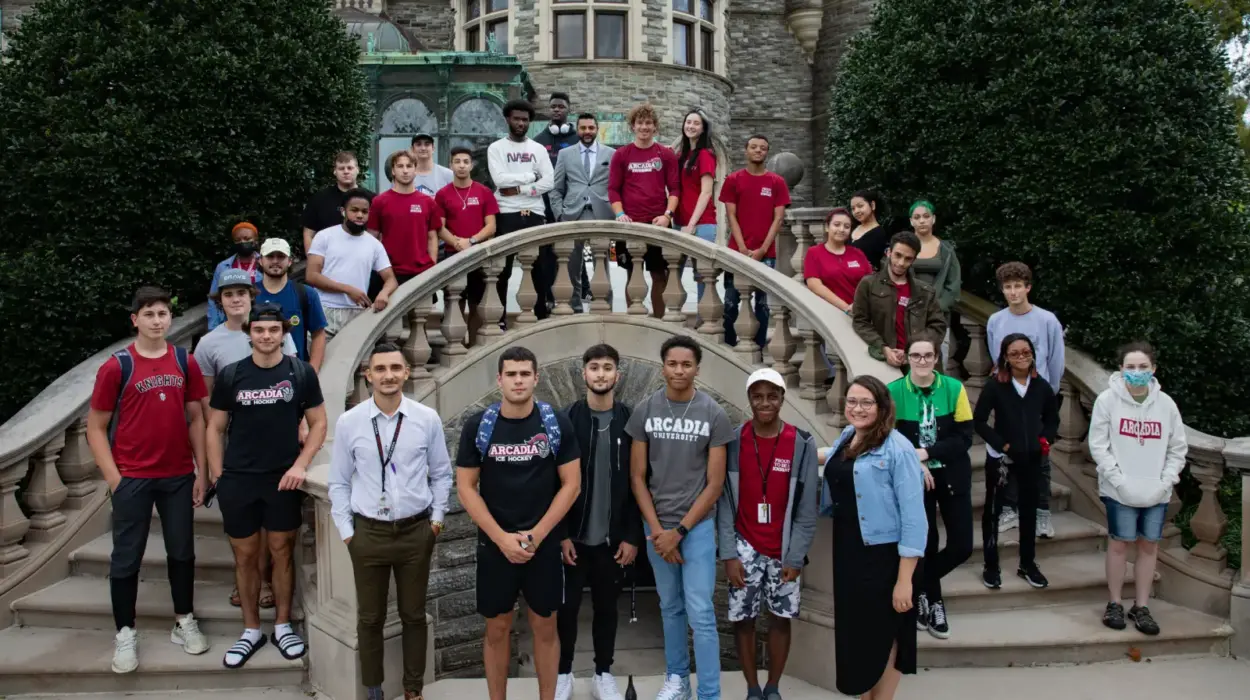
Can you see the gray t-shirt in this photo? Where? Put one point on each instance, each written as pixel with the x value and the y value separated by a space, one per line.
pixel 222 346
pixel 599 510
pixel 678 436
pixel 433 181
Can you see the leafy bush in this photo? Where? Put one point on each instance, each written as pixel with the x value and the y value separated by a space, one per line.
pixel 133 135
pixel 1092 140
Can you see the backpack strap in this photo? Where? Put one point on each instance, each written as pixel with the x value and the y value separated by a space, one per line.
pixel 301 378
pixel 551 426
pixel 486 428
pixel 127 363
pixel 226 377
pixel 301 294
pixel 182 357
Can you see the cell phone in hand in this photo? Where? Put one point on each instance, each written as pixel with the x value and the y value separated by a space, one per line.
pixel 209 494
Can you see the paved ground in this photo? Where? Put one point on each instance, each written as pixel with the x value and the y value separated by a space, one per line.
pixel 1203 678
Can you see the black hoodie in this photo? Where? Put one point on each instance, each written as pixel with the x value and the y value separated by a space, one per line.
pixel 626 520
pixel 1018 420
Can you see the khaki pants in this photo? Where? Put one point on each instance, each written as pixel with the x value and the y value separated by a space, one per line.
pixel 377 549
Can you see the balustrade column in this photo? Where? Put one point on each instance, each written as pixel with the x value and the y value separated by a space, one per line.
pixel 76 466
pixel 1206 464
pixel 711 309
pixel 454 327
pixel 360 386
pixel 492 307
pixel 416 349
pixel 45 493
pixel 781 346
pixel 636 287
pixel 803 239
pixel 13 523
pixel 1073 426
pixel 977 363
pixel 812 371
pixel 562 288
pixel 527 295
pixel 601 284
pixel 674 292
pixel 746 326
pixel 1237 457
pixel 836 397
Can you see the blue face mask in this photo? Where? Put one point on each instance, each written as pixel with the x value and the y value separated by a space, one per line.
pixel 1137 377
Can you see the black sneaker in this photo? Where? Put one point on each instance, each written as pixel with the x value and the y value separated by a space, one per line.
pixel 1113 616
pixel 1033 576
pixel 1143 620
pixel 938 626
pixel 992 578
pixel 922 612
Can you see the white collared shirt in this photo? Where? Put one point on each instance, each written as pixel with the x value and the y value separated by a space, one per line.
pixel 418 477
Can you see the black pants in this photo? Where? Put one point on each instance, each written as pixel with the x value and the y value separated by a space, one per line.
pixel 544 268
pixel 132 519
pixel 596 566
pixel 1025 469
pixel 956 509
pixel 1011 496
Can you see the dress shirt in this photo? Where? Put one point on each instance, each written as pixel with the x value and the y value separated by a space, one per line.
pixel 422 476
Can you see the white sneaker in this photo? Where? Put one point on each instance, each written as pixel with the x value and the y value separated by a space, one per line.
pixel 564 686
pixel 1045 529
pixel 125 651
pixel 1009 519
pixel 603 687
pixel 675 688
pixel 187 633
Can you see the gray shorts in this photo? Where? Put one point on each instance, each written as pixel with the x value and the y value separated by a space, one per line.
pixel 763 577
pixel 337 317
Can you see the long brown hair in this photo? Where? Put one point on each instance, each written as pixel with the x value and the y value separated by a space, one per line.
pixel 876 433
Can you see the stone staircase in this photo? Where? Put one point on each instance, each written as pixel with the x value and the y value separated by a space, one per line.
pixel 62 637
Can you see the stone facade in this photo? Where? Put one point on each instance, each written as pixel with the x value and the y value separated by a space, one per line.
pixel 458 629
pixel 840 21
pixel 431 22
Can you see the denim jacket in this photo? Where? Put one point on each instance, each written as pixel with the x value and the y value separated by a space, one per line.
pixel 890 486
pixel 216 316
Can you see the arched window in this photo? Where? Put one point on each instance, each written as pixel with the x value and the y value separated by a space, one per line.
pixel 694 33
pixel 485 23
pixel 400 120
pixel 475 123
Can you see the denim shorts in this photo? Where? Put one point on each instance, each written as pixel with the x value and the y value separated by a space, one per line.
pixel 1128 524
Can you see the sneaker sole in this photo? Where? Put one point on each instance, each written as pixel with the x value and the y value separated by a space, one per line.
pixel 939 635
pixel 175 639
pixel 124 670
pixel 1139 629
pixel 1108 625
pixel 920 626
pixel 1033 583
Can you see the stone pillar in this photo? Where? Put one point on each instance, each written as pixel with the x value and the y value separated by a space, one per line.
pixel 840 20
pixel 45 493
pixel 76 466
pixel 1206 464
pixel 1237 456
pixel 13 522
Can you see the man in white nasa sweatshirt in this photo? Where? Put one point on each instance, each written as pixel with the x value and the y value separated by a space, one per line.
pixel 1138 442
pixel 522 173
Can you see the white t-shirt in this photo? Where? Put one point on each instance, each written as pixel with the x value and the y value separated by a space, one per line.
pixel 348 260
pixel 525 165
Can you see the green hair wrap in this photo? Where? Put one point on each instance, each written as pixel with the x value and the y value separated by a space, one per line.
pixel 921 203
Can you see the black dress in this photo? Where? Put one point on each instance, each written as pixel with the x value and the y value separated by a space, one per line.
pixel 873 243
pixel 865 623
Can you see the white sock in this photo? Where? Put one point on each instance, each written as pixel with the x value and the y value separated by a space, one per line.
pixel 251 634
pixel 280 631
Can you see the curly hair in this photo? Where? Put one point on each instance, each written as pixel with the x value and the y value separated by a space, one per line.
pixel 1014 272
pixel 642 111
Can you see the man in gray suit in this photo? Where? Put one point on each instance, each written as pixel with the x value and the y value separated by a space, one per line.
pixel 581 192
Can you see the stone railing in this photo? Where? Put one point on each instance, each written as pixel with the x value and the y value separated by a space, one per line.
pixel 804 332
pixel 43 450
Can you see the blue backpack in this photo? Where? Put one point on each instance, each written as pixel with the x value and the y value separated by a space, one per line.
pixel 551 426
pixel 127 363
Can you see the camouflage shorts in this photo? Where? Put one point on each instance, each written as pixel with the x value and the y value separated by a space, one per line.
pixel 763 577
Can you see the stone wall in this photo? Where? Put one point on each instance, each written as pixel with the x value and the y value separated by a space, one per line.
pixel 11 11
pixel 525 33
pixel 840 21
pixel 431 22
pixel 655 31
pixel 458 629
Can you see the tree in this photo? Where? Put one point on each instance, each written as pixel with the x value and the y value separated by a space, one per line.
pixel 1091 140
pixel 133 135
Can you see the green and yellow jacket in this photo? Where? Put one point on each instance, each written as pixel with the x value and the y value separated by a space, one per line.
pixel 938 418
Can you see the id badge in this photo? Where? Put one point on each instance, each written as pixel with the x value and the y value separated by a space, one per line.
pixel 762 514
pixel 384 507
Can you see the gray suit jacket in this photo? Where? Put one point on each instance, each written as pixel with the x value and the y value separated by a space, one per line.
pixel 573 185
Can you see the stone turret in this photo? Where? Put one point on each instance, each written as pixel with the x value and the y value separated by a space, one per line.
pixel 840 20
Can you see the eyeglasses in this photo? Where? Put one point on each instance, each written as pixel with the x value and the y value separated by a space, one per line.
pixel 926 357
pixel 1019 355
pixel 860 403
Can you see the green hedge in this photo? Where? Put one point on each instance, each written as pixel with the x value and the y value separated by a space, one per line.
pixel 1093 140
pixel 133 135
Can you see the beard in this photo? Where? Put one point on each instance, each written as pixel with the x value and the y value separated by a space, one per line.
pixel 601 392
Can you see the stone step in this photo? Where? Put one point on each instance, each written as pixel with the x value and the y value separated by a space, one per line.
pixel 1074 578
pixel 82 602
pixel 732 686
pixel 1073 535
pixel 214 561
pixel 1067 634
pixel 292 692
pixel 42 660
pixel 1060 498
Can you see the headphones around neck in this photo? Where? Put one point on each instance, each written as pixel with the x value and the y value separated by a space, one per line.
pixel 562 129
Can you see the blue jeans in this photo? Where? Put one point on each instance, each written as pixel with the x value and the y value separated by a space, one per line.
pixel 708 233
pixel 732 298
pixel 686 595
pixel 1128 523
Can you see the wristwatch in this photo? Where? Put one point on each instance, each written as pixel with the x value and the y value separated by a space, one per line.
pixel 681 530
pixel 668 213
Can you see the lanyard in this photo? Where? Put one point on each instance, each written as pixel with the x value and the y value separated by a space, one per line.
pixel 766 467
pixel 386 457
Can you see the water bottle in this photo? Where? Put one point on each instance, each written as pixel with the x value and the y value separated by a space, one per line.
pixel 630 693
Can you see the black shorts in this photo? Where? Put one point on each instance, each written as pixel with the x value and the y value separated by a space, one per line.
pixel 652 260
pixel 499 581
pixel 250 502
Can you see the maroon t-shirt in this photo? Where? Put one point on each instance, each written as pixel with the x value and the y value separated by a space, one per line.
pixel 404 223
pixel 466 209
pixel 152 440
pixel 642 179
pixel 756 197
pixel 692 187
pixel 839 272
pixel 764 461
pixel 900 315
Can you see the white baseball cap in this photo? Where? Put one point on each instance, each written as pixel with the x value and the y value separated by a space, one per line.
pixel 275 245
pixel 766 374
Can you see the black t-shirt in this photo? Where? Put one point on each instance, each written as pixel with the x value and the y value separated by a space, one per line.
pixel 873 243
pixel 324 209
pixel 520 476
pixel 265 406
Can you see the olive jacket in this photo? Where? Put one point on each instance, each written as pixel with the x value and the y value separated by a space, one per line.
pixel 876 300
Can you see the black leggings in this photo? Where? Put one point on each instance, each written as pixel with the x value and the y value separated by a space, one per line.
pixel 956 512
pixel 596 567
pixel 1025 469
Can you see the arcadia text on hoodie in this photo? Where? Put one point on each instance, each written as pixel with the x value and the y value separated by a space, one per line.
pixel 1139 447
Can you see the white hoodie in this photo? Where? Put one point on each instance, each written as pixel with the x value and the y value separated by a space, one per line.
pixel 1139 447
